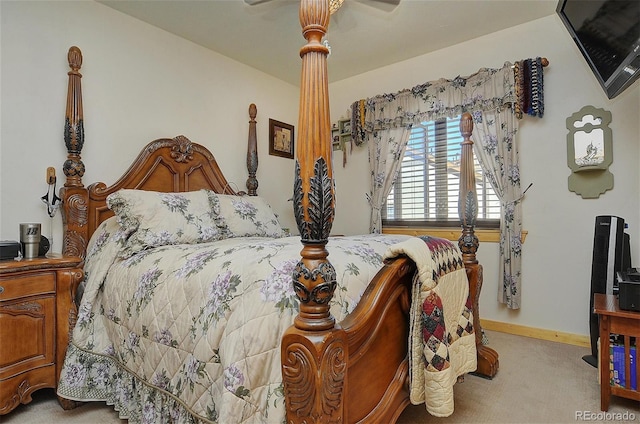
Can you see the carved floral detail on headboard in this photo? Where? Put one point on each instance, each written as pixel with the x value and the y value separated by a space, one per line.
pixel 75 244
pixel 75 220
pixel 182 151
pixel 77 210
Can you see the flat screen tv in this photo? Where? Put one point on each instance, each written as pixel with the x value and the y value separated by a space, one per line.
pixel 607 33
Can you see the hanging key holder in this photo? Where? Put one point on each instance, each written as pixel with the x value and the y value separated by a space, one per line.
pixel 50 198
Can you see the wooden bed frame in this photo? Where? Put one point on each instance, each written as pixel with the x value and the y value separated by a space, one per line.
pixel 352 371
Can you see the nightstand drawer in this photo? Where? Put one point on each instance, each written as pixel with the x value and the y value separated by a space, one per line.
pixel 36 315
pixel 25 285
pixel 27 331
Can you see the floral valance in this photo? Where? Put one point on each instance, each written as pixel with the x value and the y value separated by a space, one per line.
pixel 518 86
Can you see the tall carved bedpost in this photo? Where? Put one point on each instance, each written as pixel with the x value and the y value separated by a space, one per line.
pixel 468 243
pixel 74 195
pixel 314 351
pixel 252 152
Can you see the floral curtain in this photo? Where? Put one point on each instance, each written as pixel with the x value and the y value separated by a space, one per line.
pixel 386 149
pixel 497 151
pixel 490 96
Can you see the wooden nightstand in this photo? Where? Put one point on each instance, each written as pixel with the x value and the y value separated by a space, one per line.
pixel 37 313
pixel 614 320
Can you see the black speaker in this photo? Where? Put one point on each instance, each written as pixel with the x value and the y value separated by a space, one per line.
pixel 629 297
pixel 44 246
pixel 610 252
pixel 626 252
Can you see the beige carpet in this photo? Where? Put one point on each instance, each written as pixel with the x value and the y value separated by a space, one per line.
pixel 538 382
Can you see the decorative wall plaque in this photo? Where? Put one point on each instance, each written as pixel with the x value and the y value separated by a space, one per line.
pixel 590 152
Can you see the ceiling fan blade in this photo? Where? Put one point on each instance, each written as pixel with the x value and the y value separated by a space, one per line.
pixel 254 2
pixel 269 10
pixel 342 20
pixel 386 5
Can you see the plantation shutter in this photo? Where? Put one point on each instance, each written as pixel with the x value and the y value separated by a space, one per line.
pixel 426 189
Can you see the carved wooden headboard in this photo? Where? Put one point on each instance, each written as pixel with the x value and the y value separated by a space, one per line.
pixel 167 165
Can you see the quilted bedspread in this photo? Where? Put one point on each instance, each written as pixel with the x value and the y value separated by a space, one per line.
pixel 191 333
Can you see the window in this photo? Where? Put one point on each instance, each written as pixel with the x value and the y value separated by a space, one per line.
pixel 425 192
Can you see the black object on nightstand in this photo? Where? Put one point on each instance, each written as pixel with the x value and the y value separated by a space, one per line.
pixel 9 249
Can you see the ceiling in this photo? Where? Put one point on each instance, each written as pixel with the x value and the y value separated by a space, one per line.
pixel 363 34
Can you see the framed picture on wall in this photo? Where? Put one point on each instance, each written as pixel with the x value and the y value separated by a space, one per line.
pixel 281 139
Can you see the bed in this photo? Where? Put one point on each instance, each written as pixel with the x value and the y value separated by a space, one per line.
pixel 196 308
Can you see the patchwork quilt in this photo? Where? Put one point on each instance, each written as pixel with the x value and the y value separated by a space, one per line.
pixel 441 341
pixel 190 333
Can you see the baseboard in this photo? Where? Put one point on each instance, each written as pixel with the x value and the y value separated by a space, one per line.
pixel 536 333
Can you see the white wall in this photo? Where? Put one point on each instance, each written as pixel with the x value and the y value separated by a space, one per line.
pixel 139 83
pixel 557 253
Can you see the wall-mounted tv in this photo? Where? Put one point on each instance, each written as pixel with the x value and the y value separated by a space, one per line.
pixel 607 33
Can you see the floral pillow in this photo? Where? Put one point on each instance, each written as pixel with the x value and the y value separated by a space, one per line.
pixel 151 219
pixel 247 216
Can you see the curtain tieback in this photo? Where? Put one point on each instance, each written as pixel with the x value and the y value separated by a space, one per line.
pixel 519 199
pixel 370 201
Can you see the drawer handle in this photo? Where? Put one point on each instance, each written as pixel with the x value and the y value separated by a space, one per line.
pixel 1 289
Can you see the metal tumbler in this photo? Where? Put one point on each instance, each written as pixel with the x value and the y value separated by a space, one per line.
pixel 30 240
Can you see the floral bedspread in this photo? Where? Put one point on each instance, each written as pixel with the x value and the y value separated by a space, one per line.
pixel 191 333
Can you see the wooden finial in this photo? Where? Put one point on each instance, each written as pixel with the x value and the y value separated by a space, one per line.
pixel 75 58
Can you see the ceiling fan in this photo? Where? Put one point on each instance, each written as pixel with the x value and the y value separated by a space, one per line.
pixel 334 5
